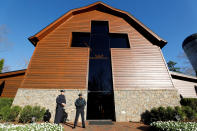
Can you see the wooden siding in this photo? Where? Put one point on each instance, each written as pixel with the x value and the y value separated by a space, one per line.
pixel 185 88
pixel 103 8
pixel 12 83
pixel 53 67
pixel 55 64
pixel 141 66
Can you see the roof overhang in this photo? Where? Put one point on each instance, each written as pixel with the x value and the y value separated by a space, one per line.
pixel 12 73
pixel 184 77
pixel 151 36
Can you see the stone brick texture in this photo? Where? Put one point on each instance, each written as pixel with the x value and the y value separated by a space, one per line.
pixel 47 98
pixel 129 104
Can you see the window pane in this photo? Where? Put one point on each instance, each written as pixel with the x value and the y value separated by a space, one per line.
pixel 99 27
pixel 119 41
pixel 80 39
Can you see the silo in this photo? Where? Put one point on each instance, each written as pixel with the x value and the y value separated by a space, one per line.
pixel 190 48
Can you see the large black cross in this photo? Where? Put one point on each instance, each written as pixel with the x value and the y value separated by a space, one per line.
pixel 100 41
pixel 100 98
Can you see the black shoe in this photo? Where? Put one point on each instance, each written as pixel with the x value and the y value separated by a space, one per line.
pixel 73 127
pixel 83 127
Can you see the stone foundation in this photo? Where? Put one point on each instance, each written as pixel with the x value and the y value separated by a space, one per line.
pixel 130 104
pixel 47 98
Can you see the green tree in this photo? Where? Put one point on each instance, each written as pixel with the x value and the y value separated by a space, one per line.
pixel 171 66
pixel 1 65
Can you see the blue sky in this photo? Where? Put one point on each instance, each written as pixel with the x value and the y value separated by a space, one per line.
pixel 172 20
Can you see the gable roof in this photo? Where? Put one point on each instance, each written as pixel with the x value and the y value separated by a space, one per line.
pixel 151 36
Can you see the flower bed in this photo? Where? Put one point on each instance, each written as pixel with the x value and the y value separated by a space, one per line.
pixel 31 127
pixel 174 126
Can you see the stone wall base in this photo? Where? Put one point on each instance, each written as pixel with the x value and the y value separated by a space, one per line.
pixel 130 104
pixel 47 98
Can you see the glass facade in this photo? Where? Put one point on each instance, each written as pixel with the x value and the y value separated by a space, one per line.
pixel 100 103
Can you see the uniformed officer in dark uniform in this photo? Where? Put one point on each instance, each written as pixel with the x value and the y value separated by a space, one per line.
pixel 80 104
pixel 61 103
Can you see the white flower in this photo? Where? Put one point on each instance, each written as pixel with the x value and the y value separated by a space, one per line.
pixel 31 127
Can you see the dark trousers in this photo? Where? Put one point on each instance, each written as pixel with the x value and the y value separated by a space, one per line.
pixel 78 112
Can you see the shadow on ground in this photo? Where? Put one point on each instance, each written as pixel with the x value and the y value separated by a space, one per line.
pixel 117 126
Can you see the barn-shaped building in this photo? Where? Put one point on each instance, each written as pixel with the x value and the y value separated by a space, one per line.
pixel 103 52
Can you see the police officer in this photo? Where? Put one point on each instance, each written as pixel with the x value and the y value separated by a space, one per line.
pixel 80 104
pixel 61 103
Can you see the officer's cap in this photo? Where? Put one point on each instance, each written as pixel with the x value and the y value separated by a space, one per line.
pixel 62 90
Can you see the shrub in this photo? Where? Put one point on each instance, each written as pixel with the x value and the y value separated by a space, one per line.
pixel 4 112
pixel 156 114
pixel 170 113
pixel 191 102
pixel 181 114
pixel 12 113
pixel 28 112
pixel 9 114
pixel 162 113
pixel 166 114
pixel 145 117
pixel 187 112
pixel 5 102
pixel 38 113
pixel 190 113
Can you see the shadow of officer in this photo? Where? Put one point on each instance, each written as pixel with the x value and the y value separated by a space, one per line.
pixel 80 104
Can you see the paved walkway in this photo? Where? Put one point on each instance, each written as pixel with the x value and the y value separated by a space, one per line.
pixel 117 126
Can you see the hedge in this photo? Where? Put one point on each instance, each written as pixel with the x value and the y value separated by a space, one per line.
pixel 191 102
pixel 9 114
pixel 5 102
pixel 15 113
pixel 186 112
pixel 28 112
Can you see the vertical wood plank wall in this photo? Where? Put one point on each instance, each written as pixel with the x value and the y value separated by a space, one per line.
pixel 55 64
